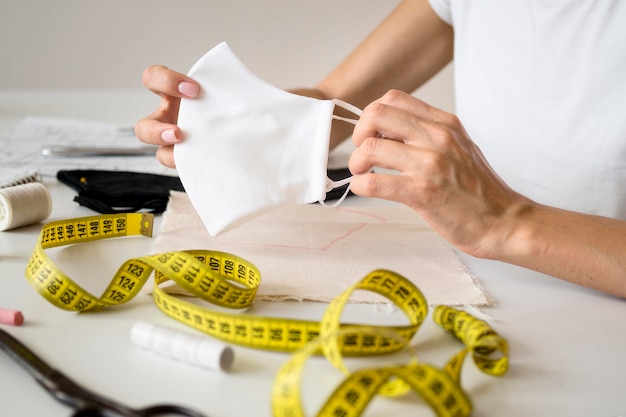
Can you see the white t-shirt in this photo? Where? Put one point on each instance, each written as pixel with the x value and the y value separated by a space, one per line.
pixel 541 88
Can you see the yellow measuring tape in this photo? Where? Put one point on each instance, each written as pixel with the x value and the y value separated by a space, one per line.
pixel 229 281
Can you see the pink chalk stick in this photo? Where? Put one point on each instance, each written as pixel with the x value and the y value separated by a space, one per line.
pixel 12 317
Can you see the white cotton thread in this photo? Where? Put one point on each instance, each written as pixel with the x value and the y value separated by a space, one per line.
pixel 25 204
pixel 185 347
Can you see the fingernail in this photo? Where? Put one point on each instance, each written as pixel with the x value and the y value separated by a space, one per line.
pixel 188 89
pixel 169 136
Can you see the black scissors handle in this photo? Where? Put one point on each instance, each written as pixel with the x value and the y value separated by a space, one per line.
pixel 85 402
pixel 162 410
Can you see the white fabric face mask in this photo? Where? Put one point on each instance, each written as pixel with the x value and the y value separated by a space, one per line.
pixel 249 146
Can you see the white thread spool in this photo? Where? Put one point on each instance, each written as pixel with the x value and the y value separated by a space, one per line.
pixel 184 347
pixel 24 204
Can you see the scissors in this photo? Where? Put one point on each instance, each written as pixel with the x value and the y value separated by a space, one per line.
pixel 85 402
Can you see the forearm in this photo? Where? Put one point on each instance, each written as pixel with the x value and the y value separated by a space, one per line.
pixel 410 46
pixel 583 249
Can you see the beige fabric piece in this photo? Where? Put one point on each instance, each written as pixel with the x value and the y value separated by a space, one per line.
pixel 308 252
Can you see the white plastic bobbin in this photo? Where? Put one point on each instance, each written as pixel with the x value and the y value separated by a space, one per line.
pixel 185 347
pixel 24 204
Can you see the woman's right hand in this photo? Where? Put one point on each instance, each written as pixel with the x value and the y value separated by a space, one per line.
pixel 159 128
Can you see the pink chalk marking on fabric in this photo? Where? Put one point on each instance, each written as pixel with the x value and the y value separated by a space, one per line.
pixel 323 248
pixel 12 317
pixel 363 213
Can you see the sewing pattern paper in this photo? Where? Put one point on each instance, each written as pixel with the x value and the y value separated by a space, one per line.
pixel 308 252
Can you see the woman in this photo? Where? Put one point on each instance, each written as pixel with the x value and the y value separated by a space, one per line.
pixel 541 88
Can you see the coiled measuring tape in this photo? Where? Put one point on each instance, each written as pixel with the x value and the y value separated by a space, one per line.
pixel 229 281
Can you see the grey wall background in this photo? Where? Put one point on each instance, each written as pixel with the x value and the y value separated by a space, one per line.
pixel 85 44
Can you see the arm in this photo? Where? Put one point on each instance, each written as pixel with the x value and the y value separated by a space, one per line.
pixel 583 249
pixel 409 47
pixel 443 176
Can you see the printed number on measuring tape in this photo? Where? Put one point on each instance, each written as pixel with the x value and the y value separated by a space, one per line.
pixel 229 281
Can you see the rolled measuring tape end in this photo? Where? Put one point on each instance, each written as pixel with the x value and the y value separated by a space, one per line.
pixel 185 347
pixel 23 205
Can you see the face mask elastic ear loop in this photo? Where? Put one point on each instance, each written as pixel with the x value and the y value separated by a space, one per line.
pixel 346 106
pixel 336 184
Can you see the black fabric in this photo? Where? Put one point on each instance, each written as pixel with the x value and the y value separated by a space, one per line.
pixel 338 174
pixel 110 192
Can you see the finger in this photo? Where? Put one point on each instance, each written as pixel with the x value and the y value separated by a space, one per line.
pixel 165 155
pixel 419 108
pixel 402 117
pixel 155 132
pixel 421 173
pixel 439 125
pixel 164 81
pixel 382 120
pixel 417 188
pixel 382 153
pixel 392 187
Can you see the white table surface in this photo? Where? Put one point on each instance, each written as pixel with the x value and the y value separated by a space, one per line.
pixel 568 344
